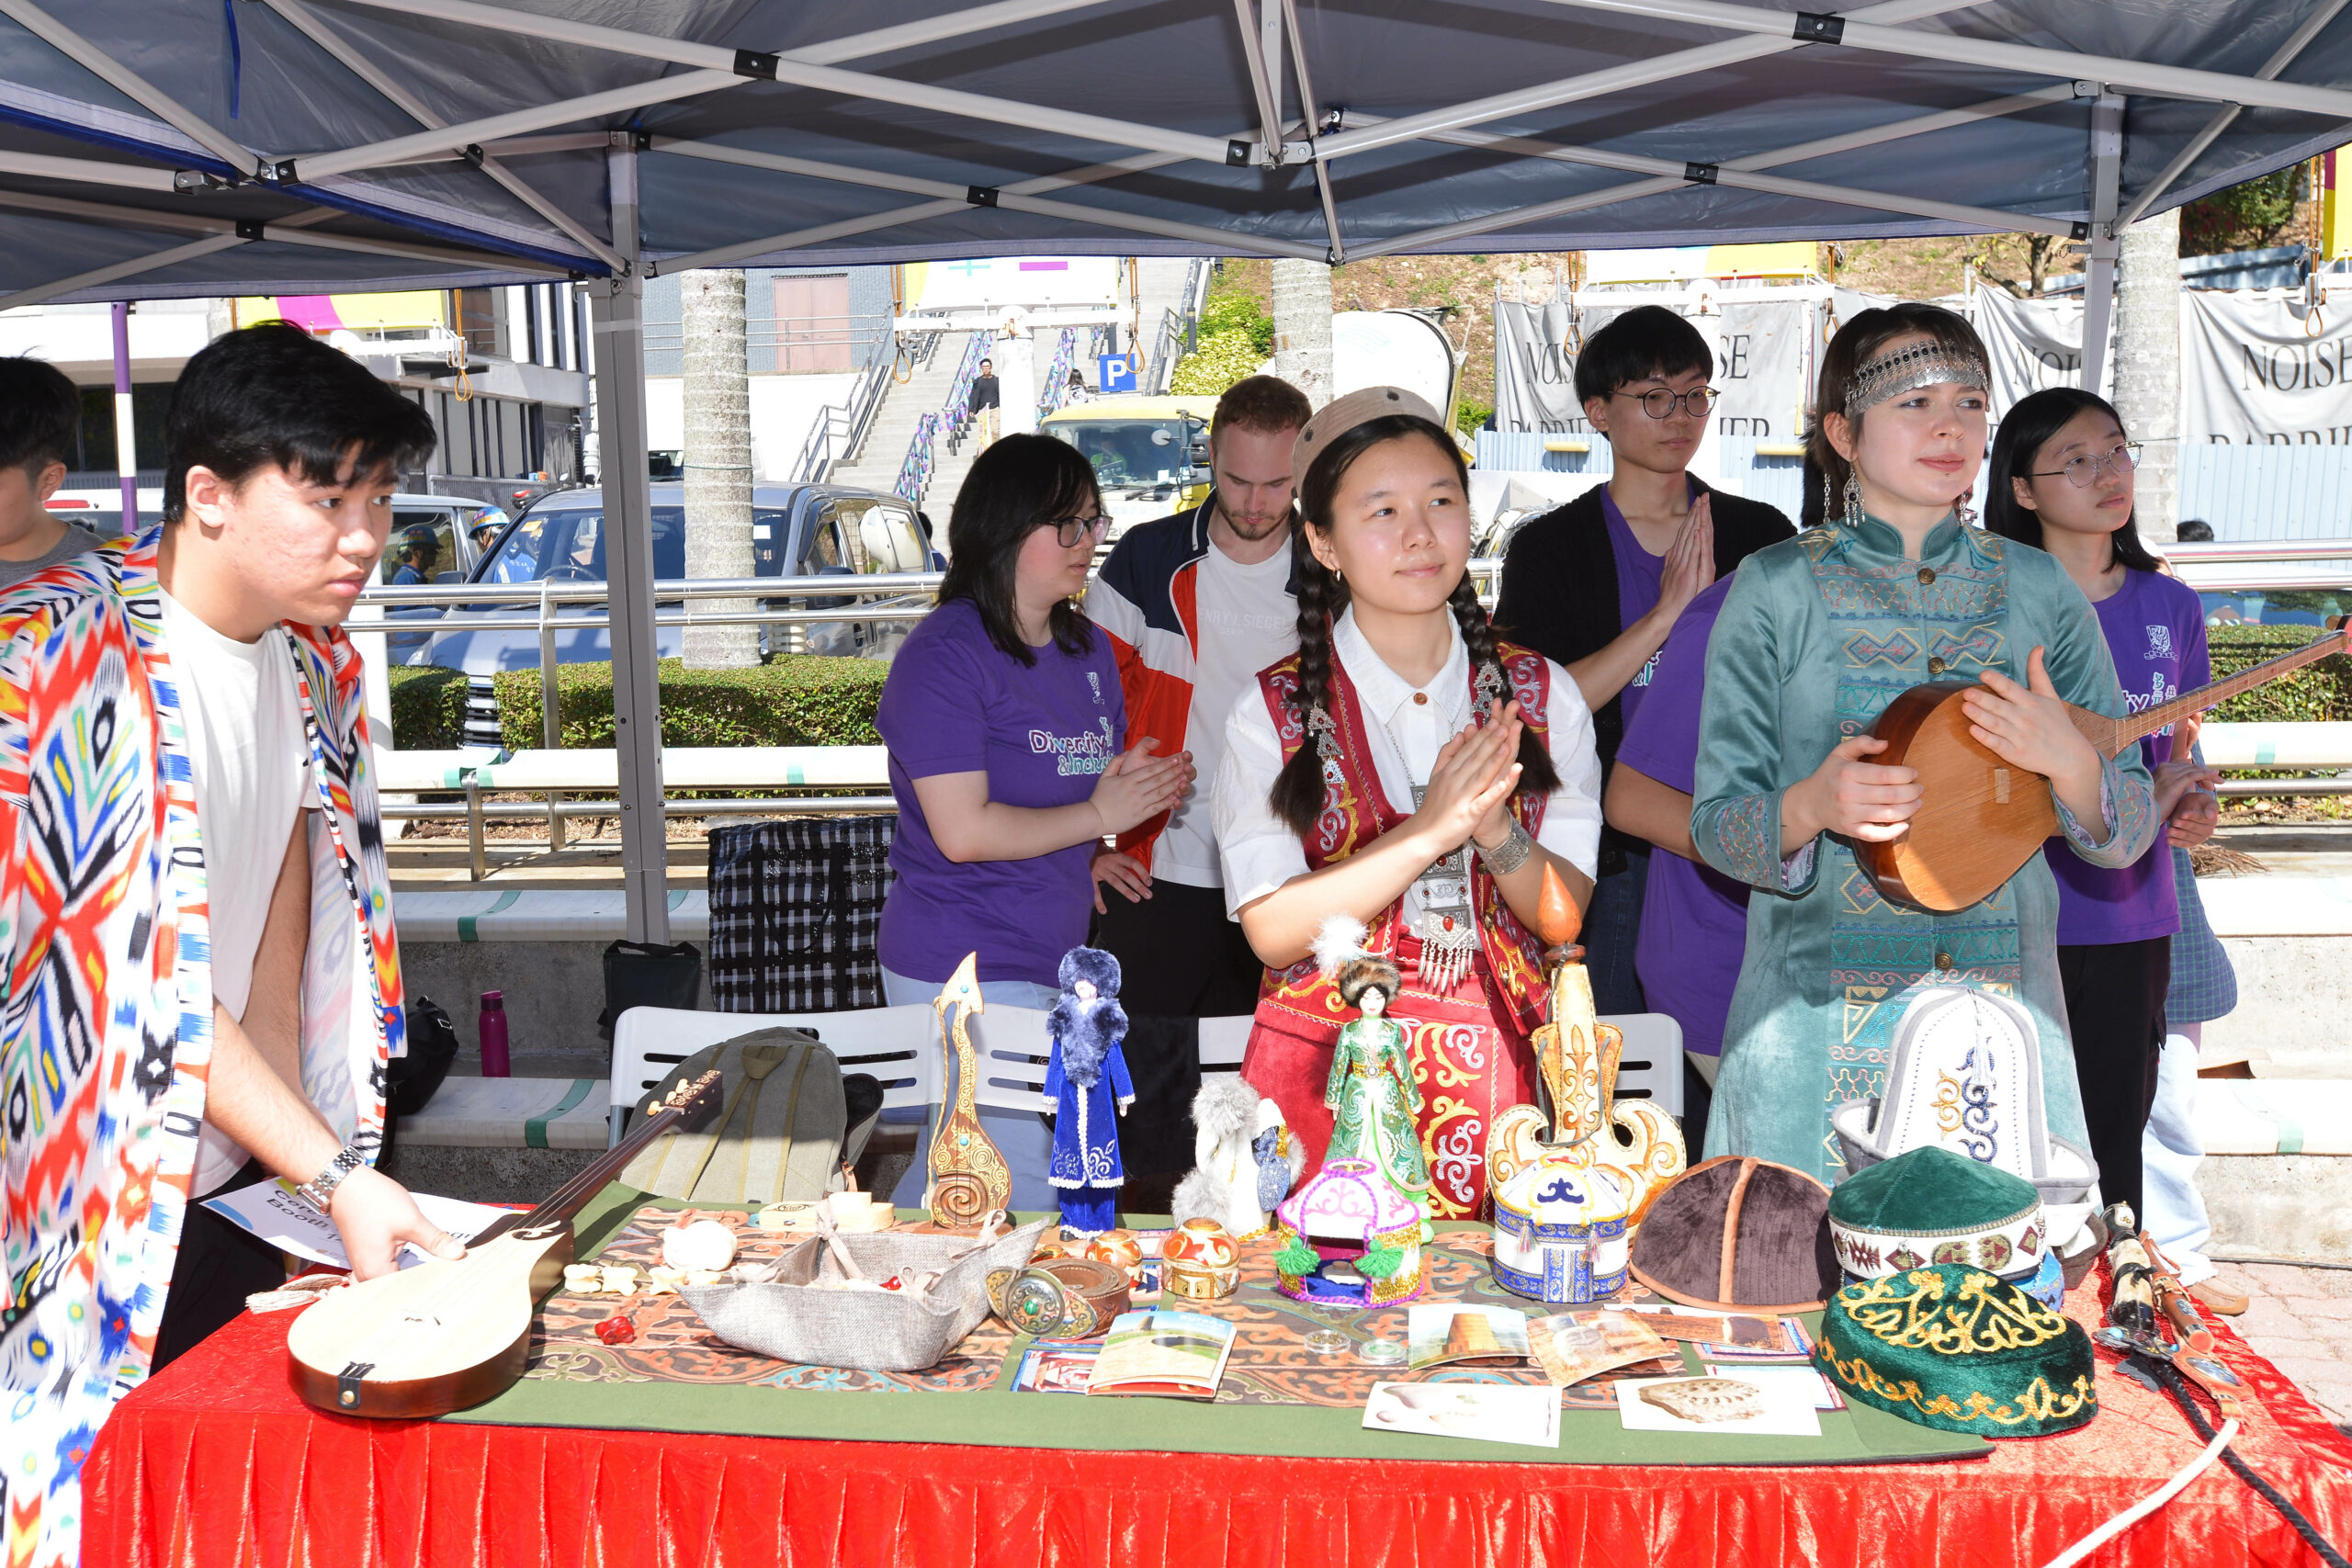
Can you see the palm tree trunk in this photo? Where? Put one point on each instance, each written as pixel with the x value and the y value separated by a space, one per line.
pixel 718 459
pixel 1302 291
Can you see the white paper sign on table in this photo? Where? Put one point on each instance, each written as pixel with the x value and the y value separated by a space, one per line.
pixel 278 1216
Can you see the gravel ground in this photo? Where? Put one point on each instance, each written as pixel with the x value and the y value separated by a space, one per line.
pixel 2301 1320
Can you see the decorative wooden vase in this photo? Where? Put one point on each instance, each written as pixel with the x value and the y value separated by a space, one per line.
pixel 1576 1056
pixel 969 1178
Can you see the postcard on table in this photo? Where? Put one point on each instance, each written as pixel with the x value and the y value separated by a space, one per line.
pixel 1441 1332
pixel 1820 1390
pixel 1056 1366
pixel 1735 1407
pixel 1732 1336
pixel 1178 1355
pixel 1575 1346
pixel 1486 1412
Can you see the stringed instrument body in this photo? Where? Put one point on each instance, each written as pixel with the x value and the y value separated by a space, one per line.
pixel 1979 819
pixel 448 1334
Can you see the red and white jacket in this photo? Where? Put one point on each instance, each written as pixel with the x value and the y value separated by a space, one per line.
pixel 1145 598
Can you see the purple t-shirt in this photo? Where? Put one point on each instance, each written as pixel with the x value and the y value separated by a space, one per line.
pixel 2155 630
pixel 1638 576
pixel 956 703
pixel 1694 919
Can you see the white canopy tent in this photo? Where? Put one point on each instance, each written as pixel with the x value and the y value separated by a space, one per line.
pixel 160 148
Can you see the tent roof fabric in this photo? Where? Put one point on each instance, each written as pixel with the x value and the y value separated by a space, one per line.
pixel 405 144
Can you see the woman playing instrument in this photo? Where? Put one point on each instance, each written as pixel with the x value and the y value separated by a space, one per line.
pixel 2062 482
pixel 1816 638
pixel 1008 760
pixel 1406 769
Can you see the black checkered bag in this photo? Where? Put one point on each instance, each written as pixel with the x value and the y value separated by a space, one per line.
pixel 794 909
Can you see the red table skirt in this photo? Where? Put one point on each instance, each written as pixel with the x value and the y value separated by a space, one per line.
pixel 215 1461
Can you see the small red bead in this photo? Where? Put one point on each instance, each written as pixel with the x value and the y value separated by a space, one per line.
pixel 617 1331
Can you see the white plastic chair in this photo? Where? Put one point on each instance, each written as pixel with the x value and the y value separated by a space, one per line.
pixel 1224 1041
pixel 897 1045
pixel 1650 1066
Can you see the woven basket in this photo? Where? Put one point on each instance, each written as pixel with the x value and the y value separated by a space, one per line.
pixel 880 1331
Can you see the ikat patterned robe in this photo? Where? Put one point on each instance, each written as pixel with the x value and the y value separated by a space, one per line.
pixel 1818 635
pixel 105 997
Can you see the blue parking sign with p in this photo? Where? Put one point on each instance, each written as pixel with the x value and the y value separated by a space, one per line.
pixel 1115 372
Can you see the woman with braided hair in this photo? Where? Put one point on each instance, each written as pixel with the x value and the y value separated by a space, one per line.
pixel 1407 770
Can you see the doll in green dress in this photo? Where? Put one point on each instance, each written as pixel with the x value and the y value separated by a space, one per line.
pixel 1371 1092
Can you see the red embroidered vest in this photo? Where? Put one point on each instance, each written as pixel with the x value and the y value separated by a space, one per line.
pixel 1356 811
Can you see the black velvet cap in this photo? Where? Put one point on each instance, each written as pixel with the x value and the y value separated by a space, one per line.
pixel 1739 1233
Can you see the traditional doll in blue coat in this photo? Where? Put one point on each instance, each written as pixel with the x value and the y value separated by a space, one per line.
pixel 1084 1076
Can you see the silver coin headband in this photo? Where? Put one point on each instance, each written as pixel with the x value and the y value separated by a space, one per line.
pixel 1908 369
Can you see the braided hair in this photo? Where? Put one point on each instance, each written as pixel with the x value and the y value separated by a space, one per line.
pixel 1299 789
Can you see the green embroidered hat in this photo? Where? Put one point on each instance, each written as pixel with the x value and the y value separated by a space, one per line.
pixel 1934 1206
pixel 1952 1346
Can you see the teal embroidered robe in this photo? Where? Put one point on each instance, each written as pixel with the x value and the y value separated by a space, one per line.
pixel 1818 634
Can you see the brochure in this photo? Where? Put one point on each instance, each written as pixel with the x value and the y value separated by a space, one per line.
pixel 1820 1390
pixel 1178 1355
pixel 1575 1346
pixel 1738 1405
pixel 278 1216
pixel 1056 1366
pixel 1437 1334
pixel 1486 1412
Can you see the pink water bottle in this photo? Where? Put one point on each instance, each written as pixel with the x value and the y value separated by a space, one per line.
pixel 492 1030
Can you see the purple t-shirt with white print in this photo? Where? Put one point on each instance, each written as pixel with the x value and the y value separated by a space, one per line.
pixel 956 702
pixel 1694 919
pixel 2155 630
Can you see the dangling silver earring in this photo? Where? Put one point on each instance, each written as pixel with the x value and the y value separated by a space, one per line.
pixel 1853 501
pixel 1965 514
pixel 1827 509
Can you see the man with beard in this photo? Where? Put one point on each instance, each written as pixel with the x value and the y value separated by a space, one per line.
pixel 1196 604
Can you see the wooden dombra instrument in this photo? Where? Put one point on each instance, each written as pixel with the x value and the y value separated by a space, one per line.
pixel 1979 819
pixel 451 1333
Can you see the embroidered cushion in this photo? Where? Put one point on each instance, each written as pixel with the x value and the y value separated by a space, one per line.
pixel 1934 1206
pixel 1741 1234
pixel 1952 1346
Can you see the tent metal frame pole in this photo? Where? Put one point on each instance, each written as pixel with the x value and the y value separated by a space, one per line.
pixel 1854 32
pixel 1311 109
pixel 131 84
pixel 283 231
pixel 1599 84
pixel 843 228
pixel 312 26
pixel 445 140
pixel 1265 84
pixel 803 68
pixel 617 314
pixel 2296 44
pixel 1008 197
pixel 1819 148
pixel 2107 247
pixel 89 170
pixel 131 268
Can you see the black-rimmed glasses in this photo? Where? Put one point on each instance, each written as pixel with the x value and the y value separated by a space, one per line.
pixel 2082 471
pixel 1659 402
pixel 1069 531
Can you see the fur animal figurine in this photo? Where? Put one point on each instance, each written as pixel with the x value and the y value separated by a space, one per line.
pixel 1246 1158
pixel 1085 1077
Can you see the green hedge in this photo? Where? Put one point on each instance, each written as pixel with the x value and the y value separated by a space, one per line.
pixel 428 707
pixel 2317 692
pixel 798 700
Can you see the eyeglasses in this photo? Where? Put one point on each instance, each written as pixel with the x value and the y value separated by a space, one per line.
pixel 1659 403
pixel 1069 531
pixel 2082 471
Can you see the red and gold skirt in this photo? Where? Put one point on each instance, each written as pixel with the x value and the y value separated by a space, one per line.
pixel 1470 1063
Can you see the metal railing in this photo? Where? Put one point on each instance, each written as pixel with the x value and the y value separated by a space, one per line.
pixel 1179 332
pixel 839 427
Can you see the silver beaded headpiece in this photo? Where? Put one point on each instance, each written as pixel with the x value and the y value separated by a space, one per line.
pixel 1908 369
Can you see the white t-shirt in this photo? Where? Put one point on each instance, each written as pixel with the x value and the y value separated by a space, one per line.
pixel 253 775
pixel 1248 620
pixel 1406 726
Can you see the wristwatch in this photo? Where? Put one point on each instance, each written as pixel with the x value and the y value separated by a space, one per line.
pixel 320 1188
pixel 1509 855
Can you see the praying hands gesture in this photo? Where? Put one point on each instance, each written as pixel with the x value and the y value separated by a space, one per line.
pixel 1689 568
pixel 1470 785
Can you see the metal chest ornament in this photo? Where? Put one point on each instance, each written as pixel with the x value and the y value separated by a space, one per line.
pixel 1640 1145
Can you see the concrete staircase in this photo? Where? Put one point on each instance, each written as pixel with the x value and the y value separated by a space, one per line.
pixel 1159 288
pixel 876 464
